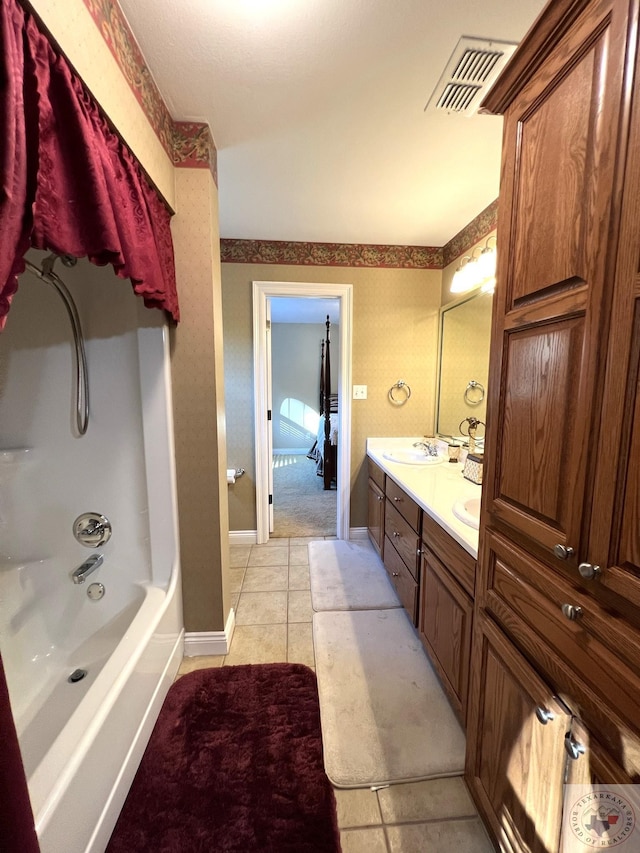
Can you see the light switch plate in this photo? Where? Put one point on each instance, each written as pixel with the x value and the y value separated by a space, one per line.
pixel 359 392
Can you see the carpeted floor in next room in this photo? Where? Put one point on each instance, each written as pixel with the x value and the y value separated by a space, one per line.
pixel 274 624
pixel 301 505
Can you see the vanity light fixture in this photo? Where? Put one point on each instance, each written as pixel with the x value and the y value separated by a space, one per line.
pixel 476 270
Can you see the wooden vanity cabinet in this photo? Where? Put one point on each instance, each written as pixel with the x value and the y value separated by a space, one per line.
pixel 375 517
pixel 402 520
pixel 446 610
pixel 558 594
pixel 446 617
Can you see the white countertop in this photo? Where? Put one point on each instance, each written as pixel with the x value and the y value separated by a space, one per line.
pixel 435 488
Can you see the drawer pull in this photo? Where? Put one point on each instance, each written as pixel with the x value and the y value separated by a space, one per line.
pixel 571 611
pixel 395 574
pixel 588 571
pixel 395 534
pixel 398 500
pixel 573 749
pixel 563 552
pixel 544 715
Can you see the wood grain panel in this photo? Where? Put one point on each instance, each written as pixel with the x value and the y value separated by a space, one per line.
pixel 376 473
pixel 600 647
pixel 627 550
pixel 515 765
pixel 402 579
pixel 459 563
pixel 375 516
pixel 540 392
pixel 405 505
pixel 445 621
pixel 553 182
pixel 403 536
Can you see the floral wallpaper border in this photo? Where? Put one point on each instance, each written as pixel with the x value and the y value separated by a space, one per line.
pixel 188 144
pixel 329 254
pixel 483 224
pixel 357 254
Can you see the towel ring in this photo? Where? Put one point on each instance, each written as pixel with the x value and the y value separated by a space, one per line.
pixel 474 393
pixel 401 386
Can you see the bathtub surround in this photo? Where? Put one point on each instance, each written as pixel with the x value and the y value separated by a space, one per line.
pixel 234 764
pixel 82 741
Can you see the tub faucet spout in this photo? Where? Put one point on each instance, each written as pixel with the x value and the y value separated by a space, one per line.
pixel 86 568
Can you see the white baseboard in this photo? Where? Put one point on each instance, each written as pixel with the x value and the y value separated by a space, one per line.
pixel 243 537
pixel 358 533
pixel 210 642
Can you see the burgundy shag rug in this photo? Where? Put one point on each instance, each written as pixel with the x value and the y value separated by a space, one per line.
pixel 234 763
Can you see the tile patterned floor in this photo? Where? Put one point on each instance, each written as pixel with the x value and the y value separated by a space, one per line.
pixel 271 597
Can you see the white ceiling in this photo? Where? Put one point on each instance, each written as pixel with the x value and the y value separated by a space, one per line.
pixel 317 111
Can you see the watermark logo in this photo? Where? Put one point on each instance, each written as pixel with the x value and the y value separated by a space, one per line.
pixel 600 817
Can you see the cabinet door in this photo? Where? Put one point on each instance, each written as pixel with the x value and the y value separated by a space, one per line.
pixel 555 220
pixel 614 532
pixel 376 516
pixel 515 746
pixel 445 620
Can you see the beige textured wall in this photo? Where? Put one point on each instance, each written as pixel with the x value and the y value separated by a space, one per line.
pixel 395 330
pixel 72 26
pixel 198 404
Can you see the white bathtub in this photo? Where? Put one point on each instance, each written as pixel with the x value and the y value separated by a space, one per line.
pixel 81 743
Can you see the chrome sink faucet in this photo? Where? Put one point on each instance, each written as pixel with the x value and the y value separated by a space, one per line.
pixel 430 447
pixel 94 562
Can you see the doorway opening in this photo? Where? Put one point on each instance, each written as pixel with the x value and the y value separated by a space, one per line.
pixel 287 416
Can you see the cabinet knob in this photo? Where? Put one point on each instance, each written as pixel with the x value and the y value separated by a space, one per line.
pixel 395 534
pixel 544 715
pixel 379 497
pixel 588 571
pixel 395 574
pixel 563 552
pixel 573 749
pixel 571 611
pixel 398 500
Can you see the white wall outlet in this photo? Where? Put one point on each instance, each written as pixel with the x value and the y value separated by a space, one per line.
pixel 359 392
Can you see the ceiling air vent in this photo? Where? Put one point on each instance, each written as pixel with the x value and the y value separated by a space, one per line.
pixel 471 71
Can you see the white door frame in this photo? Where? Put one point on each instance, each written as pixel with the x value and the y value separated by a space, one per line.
pixel 262 290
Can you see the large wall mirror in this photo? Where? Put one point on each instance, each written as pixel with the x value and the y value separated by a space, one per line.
pixel 465 332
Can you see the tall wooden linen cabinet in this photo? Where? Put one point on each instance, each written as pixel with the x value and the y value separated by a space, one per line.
pixel 555 670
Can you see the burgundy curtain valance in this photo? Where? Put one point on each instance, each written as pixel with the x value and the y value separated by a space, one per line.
pixel 68 182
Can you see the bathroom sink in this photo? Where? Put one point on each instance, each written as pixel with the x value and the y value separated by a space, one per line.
pixel 412 457
pixel 468 512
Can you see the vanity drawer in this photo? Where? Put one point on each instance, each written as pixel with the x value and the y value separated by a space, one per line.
pixel 459 562
pixel 527 599
pixel 402 579
pixel 376 474
pixel 403 536
pixel 405 505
